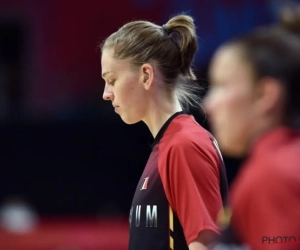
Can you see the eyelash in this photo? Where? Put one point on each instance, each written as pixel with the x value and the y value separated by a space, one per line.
pixel 112 82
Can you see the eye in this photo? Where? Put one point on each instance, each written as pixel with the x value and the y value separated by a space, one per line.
pixel 111 82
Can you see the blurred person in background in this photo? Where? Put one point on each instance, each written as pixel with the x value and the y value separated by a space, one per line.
pixel 148 77
pixel 254 109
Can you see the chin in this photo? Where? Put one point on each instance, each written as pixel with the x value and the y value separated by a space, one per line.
pixel 232 149
pixel 129 121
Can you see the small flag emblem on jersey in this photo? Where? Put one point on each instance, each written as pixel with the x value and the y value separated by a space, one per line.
pixel 145 183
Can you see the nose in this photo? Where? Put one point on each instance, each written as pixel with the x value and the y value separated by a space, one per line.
pixel 108 93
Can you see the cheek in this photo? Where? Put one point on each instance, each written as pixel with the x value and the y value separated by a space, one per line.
pixel 228 109
pixel 239 105
pixel 219 101
pixel 130 94
pixel 235 103
pixel 125 88
pixel 237 116
pixel 231 102
pixel 231 120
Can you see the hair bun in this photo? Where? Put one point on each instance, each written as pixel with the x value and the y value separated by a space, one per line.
pixel 289 19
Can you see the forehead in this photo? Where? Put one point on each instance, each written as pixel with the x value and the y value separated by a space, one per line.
pixel 111 64
pixel 227 63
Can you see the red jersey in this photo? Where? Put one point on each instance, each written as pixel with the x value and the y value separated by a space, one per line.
pixel 181 189
pixel 265 198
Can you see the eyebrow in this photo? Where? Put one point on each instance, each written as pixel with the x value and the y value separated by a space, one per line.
pixel 105 73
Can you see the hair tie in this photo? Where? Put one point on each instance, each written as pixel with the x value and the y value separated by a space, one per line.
pixel 166 29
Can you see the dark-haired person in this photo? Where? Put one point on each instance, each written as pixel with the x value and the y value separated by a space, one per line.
pixel 148 77
pixel 254 109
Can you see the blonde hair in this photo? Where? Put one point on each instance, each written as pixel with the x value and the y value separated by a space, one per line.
pixel 171 46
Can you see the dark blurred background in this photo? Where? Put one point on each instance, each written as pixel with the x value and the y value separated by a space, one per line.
pixel 63 150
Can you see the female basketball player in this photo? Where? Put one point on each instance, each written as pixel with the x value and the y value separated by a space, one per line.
pixel 254 109
pixel 148 77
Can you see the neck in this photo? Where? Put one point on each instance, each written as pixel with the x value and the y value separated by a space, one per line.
pixel 158 113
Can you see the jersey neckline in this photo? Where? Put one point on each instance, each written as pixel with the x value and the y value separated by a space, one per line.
pixel 163 129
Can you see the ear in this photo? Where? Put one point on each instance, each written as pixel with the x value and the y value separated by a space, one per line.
pixel 270 95
pixel 147 75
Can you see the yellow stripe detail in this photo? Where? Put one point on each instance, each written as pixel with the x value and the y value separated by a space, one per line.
pixel 171 225
pixel 171 220
pixel 171 243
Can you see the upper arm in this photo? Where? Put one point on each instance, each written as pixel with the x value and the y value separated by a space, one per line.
pixel 191 182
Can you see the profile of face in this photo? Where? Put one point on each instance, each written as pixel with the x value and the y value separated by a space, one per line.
pixel 124 87
pixel 230 102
